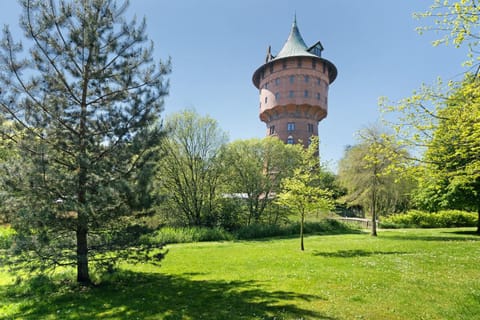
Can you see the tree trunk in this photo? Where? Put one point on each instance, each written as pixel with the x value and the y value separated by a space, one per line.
pixel 374 214
pixel 83 275
pixel 478 221
pixel 302 221
pixel 82 227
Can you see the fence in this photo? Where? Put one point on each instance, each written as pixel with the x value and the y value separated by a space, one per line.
pixel 361 222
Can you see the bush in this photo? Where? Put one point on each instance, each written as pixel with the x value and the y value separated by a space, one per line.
pixel 421 219
pixel 258 231
pixel 6 237
pixel 168 235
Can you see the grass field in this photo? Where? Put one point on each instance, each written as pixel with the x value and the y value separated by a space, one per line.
pixel 402 274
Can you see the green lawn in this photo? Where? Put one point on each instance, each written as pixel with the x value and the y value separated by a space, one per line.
pixel 402 274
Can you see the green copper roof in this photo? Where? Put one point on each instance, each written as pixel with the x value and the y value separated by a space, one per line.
pixel 294 46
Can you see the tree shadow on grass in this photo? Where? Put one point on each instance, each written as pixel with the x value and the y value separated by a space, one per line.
pixel 445 236
pixel 465 233
pixel 354 253
pixel 155 296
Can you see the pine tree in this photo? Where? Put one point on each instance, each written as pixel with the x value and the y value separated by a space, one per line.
pixel 85 103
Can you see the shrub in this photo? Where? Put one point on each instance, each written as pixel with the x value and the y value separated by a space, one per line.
pixel 168 235
pixel 6 237
pixel 421 219
pixel 258 231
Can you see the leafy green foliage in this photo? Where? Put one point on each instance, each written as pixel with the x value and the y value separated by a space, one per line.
pixel 301 193
pixel 6 237
pixel 262 231
pixel 167 235
pixel 369 172
pixel 422 219
pixel 452 178
pixel 189 171
pixel 82 109
pixel 457 22
pixel 440 122
pixel 255 168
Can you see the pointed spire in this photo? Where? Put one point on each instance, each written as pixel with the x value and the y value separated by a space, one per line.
pixel 295 45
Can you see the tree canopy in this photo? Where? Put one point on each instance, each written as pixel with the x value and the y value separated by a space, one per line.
pixel 301 193
pixel 190 170
pixel 439 123
pixel 256 167
pixel 368 171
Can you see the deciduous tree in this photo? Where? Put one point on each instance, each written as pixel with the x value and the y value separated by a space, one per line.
pixel 255 167
pixel 451 170
pixel 366 171
pixel 300 193
pixel 190 169
pixel 439 122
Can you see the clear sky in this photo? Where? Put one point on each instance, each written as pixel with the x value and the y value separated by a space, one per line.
pixel 216 45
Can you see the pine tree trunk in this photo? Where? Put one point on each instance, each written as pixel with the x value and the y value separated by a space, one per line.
pixel 82 229
pixel 83 275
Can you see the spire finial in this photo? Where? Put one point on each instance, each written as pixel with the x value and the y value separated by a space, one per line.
pixel 295 18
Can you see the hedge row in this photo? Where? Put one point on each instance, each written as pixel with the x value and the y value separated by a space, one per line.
pixel 167 235
pixel 421 219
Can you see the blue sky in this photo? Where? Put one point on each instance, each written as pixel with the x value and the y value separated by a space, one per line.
pixel 216 45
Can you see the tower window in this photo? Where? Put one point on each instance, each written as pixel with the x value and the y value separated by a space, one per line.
pixel 291 94
pixel 290 140
pixel 307 79
pixel 292 79
pixel 305 93
pixel 272 130
pixel 314 64
pixel 318 96
pixel 319 81
pixel 291 126
pixel 310 128
pixel 277 95
pixel 265 86
pixel 266 99
pixel 277 81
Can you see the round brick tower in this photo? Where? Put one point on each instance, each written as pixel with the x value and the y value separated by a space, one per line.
pixel 294 89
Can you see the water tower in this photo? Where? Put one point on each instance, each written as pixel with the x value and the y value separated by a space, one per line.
pixel 293 89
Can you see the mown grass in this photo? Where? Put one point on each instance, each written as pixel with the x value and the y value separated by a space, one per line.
pixel 402 274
